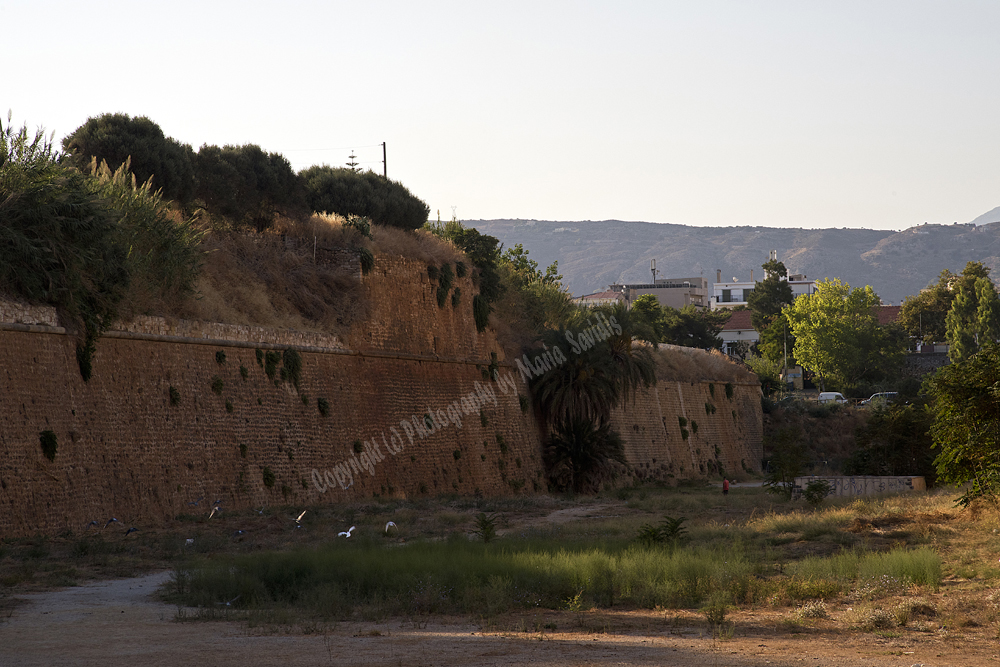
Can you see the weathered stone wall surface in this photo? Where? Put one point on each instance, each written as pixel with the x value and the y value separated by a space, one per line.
pixel 689 430
pixel 125 449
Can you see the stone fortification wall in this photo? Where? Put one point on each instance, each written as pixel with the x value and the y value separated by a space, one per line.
pixel 677 430
pixel 126 450
pixel 165 420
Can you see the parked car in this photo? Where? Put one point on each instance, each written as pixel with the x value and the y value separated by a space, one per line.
pixel 882 398
pixel 831 397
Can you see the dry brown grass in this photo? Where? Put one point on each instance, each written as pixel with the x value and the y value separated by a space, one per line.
pixel 256 279
pixel 298 275
pixel 419 245
pixel 687 364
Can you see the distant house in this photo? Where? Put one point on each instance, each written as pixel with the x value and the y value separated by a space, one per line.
pixel 887 314
pixel 738 334
pixel 673 292
pixel 599 298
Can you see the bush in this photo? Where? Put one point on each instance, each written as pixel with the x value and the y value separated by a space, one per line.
pixel 118 138
pixel 271 359
pixel 267 475
pixel 446 276
pixel 486 527
pixel 96 247
pixel 481 312
pixel 49 443
pixel 816 491
pixel 291 369
pixel 367 260
pixel 347 192
pixel 323 406
pixel 247 185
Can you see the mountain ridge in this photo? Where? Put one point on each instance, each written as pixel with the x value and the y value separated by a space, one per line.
pixel 594 254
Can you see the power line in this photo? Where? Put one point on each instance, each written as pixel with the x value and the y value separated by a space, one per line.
pixel 341 148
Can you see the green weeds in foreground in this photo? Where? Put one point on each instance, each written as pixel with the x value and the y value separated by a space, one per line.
pixel 340 580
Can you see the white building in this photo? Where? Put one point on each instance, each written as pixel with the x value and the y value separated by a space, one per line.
pixel 736 292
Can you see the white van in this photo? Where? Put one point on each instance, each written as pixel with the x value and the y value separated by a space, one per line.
pixel 832 397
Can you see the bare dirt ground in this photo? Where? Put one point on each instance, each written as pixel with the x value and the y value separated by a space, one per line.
pixel 118 623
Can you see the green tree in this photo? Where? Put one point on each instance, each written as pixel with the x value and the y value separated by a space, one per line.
pixel 692 327
pixel 650 318
pixel 770 295
pixel 484 251
pixel 524 270
pixel 788 456
pixel 777 340
pixel 577 451
pixel 632 362
pixel 116 137
pixel 346 192
pixel 923 315
pixel 966 408
pixel 838 336
pixel 767 371
pixel 248 185
pixel 974 316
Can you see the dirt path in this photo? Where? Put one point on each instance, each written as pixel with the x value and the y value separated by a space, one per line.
pixel 117 623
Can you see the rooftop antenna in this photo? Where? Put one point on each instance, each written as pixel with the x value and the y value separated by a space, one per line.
pixel 652 267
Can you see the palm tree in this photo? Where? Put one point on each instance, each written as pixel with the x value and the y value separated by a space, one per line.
pixel 582 387
pixel 632 361
pixel 578 450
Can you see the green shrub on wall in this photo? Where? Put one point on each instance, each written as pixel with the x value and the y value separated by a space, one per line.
pixel 49 443
pixel 480 312
pixel 291 369
pixel 367 260
pixel 268 476
pixel 217 384
pixel 175 395
pixel 323 406
pixel 271 359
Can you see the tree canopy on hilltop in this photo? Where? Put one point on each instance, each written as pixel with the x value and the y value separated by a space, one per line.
pixel 347 192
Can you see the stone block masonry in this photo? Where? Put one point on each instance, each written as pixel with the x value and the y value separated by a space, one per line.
pixel 125 449
pixel 684 430
pixel 163 423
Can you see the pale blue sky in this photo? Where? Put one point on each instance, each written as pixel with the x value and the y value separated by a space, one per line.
pixel 784 113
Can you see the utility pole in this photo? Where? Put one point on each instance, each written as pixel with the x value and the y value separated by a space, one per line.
pixel 784 336
pixel 385 168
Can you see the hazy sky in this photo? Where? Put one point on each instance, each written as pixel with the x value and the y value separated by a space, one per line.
pixel 794 113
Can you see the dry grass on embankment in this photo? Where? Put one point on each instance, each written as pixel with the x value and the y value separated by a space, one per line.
pixel 298 275
pixel 675 363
